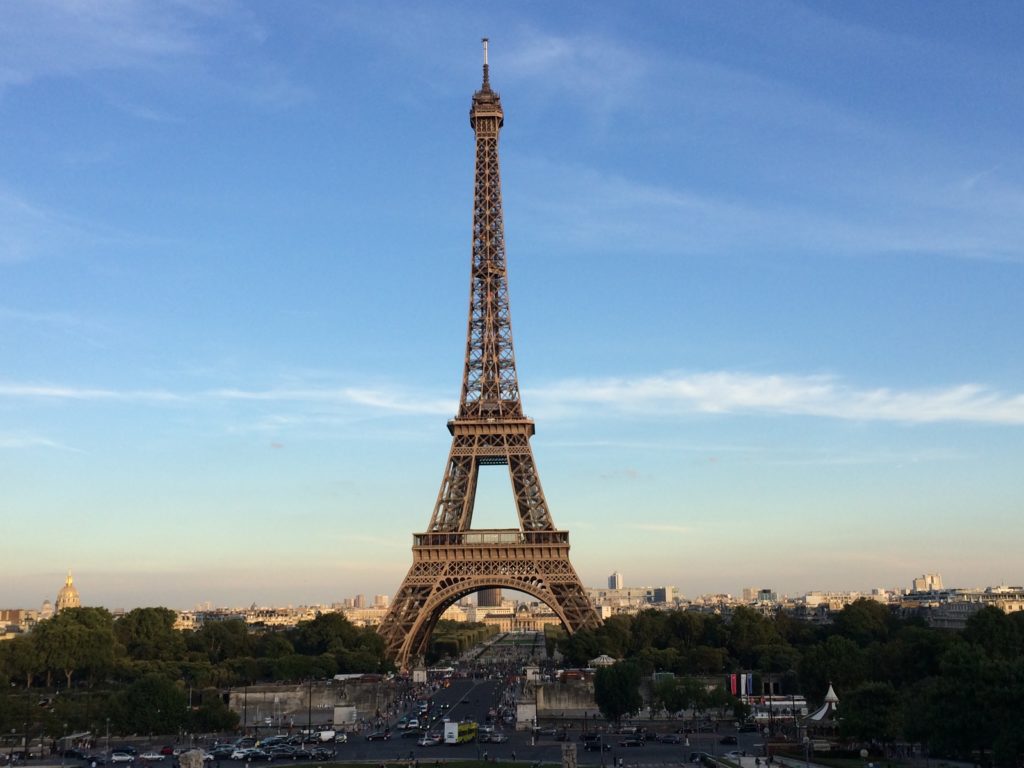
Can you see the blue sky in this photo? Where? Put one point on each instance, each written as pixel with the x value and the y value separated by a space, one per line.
pixel 766 265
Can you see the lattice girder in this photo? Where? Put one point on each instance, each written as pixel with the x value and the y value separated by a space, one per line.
pixel 452 559
pixel 441 575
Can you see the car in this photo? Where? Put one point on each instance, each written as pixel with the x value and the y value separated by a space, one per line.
pixel 240 753
pixel 128 749
pixel 498 738
pixel 670 738
pixel 413 734
pixel 562 736
pixel 413 723
pixel 378 736
pixel 698 757
pixel 545 731
pixel 151 757
pixel 122 757
pixel 631 742
pixel 302 754
pixel 728 740
pixel 428 741
pixel 596 746
pixel 590 737
pixel 321 753
pixel 207 757
pixel 734 755
pixel 222 752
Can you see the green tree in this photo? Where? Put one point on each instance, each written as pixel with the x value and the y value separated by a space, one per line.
pixel 76 639
pixel 865 621
pixel 21 659
pixel 151 704
pixel 996 632
pixel 617 690
pixel 871 712
pixel 221 640
pixel 327 633
pixel 212 714
pixel 149 633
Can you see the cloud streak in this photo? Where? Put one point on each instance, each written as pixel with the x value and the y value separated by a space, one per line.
pixel 678 394
pixel 726 392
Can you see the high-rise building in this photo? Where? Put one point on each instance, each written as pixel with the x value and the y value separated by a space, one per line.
pixel 615 581
pixel 488 598
pixel 929 582
pixel 359 602
pixel 380 601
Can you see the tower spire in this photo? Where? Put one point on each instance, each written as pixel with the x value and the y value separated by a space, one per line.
pixel 487 80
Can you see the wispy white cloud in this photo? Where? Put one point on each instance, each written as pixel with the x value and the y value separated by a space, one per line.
pixel 220 42
pixel 596 211
pixel 22 440
pixel 726 392
pixel 56 392
pixel 374 399
pixel 664 395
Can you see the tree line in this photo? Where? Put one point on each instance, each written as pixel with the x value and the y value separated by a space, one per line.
pixel 85 670
pixel 958 693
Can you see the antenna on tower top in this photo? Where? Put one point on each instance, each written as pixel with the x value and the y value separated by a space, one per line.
pixel 484 40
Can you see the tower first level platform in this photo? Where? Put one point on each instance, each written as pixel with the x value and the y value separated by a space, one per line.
pixel 447 566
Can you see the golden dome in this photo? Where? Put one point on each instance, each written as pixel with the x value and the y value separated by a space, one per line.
pixel 68 597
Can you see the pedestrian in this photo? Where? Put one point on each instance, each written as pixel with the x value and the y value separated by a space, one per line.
pixel 513 756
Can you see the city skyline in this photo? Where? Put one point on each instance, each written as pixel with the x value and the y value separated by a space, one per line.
pixel 765 268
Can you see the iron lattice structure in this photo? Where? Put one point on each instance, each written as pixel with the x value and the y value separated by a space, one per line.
pixel 451 559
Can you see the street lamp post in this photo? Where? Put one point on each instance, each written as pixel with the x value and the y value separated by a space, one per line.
pixel 63 743
pixel 807 752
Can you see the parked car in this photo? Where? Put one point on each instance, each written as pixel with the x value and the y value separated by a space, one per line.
pixel 321 753
pixel 167 749
pixel 728 740
pixel 122 757
pixel 151 757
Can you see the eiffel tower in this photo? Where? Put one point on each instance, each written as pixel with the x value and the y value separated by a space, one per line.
pixel 451 559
